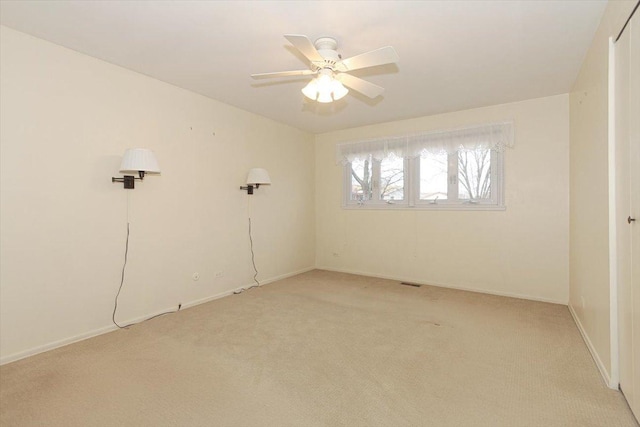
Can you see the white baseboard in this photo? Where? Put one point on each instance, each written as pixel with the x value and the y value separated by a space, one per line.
pixel 90 334
pixel 55 344
pixel 446 285
pixel 262 283
pixel 594 354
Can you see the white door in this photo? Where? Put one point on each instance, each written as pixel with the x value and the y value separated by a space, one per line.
pixel 627 117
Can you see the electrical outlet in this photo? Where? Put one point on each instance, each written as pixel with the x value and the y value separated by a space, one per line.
pixel 219 274
pixel 196 277
pixel 336 254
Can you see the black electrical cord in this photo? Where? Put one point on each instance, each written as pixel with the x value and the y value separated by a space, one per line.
pixel 253 261
pixel 628 19
pixel 115 306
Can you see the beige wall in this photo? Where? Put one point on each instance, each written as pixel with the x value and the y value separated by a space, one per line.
pixel 66 121
pixel 589 217
pixel 522 251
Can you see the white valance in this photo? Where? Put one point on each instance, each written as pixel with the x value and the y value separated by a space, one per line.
pixel 495 136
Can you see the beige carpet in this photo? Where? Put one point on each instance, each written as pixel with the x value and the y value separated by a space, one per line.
pixel 324 349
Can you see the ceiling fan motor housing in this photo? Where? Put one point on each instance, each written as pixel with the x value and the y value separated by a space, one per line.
pixel 326 47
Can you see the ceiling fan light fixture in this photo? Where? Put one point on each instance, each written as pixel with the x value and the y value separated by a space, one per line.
pixel 311 90
pixel 325 88
pixel 324 97
pixel 339 91
pixel 324 81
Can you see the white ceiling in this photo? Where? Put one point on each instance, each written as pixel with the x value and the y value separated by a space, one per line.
pixel 454 55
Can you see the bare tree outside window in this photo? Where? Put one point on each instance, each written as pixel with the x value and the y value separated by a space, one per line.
pixel 474 174
pixel 390 182
pixel 361 189
pixel 392 179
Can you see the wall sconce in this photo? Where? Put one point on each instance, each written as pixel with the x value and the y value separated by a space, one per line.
pixel 138 160
pixel 255 178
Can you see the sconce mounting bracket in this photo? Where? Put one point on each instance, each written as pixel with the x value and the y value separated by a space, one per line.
pixel 128 180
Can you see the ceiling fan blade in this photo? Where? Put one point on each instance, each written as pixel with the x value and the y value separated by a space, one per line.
pixel 283 74
pixel 359 85
pixel 304 45
pixel 384 55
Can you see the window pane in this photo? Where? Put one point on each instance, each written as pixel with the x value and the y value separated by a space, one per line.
pixel 433 176
pixel 392 179
pixel 361 179
pixel 474 174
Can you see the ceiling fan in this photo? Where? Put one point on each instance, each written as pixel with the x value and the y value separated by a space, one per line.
pixel 331 71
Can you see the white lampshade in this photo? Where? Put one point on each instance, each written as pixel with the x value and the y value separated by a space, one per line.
pixel 139 159
pixel 258 176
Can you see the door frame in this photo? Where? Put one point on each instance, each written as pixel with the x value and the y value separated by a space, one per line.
pixel 614 375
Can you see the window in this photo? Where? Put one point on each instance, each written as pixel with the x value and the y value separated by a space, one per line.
pixel 375 181
pixel 459 169
pixel 434 177
pixel 463 178
pixel 360 177
pixel 392 179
